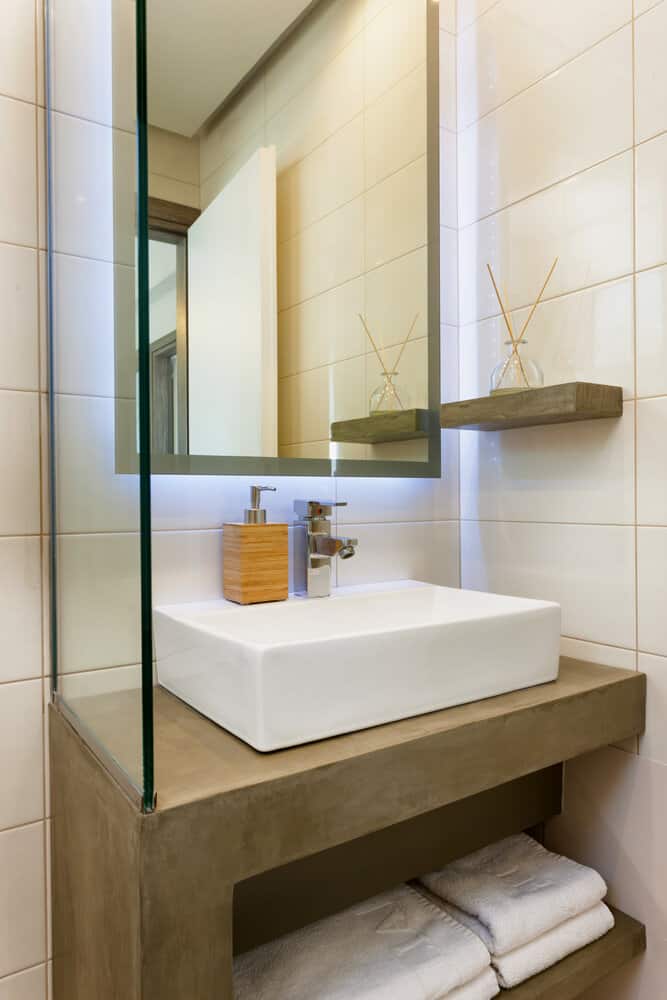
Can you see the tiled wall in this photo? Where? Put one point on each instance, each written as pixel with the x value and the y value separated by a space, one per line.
pixel 563 152
pixel 345 105
pixel 23 811
pixel 173 164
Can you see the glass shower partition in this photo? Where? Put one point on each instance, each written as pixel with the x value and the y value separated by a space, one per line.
pixel 97 263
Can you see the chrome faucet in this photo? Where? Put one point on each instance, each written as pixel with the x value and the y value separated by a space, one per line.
pixel 315 547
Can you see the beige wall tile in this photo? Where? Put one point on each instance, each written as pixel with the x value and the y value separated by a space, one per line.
pixel 22 782
pixel 651 73
pixel 18 173
pixel 322 330
pixel 395 45
pixel 653 743
pixel 396 295
pixel 652 461
pixel 28 985
pixel 17 50
pixel 567 122
pixel 652 202
pixel 19 463
pixel 19 345
pixel 396 215
pixel 652 332
pixel 100 623
pixel 518 42
pixel 173 155
pixel 173 190
pixel 580 473
pixel 587 569
pixel 395 127
pixel 652 589
pixel 587 335
pixel 22 894
pixel 21 608
pixel 586 222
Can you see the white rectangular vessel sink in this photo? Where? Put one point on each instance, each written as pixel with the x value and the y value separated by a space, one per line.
pixel 277 675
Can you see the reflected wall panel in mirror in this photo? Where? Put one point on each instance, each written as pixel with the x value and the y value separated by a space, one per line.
pixel 303 146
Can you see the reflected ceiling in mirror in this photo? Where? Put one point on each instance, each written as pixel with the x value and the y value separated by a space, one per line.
pixel 293 204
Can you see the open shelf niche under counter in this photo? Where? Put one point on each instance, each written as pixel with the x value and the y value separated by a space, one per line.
pixel 244 847
pixel 552 404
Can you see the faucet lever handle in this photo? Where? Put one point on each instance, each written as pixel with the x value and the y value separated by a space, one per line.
pixel 316 508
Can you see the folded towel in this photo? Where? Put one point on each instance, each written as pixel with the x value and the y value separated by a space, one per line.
pixel 396 946
pixel 516 890
pixel 483 987
pixel 573 934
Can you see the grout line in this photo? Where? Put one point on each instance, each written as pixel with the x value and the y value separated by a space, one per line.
pixel 356 197
pixel 546 76
pixel 352 357
pixel 564 524
pixel 22 826
pixel 475 20
pixel 547 187
pixel 28 968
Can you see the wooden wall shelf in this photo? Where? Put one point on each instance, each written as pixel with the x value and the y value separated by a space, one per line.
pixel 554 404
pixel 405 425
pixel 574 975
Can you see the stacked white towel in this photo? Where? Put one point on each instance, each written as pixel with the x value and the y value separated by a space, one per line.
pixel 396 946
pixel 531 908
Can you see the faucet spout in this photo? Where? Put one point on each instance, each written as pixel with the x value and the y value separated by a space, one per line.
pixel 328 545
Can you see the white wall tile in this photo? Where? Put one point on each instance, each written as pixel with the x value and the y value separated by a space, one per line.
pixel 82 188
pixel 22 889
pixel 91 496
pixel 587 569
pixel 652 332
pixel 18 173
pixel 518 42
pixel 575 118
pixel 653 743
pixel 81 72
pixel 187 566
pixel 94 683
pixel 21 608
pixel 651 73
pixel 586 336
pixel 426 551
pixel 22 781
pixel 100 622
pixel 469 10
pixel 652 461
pixel 626 796
pixel 448 84
pixel 19 344
pixel 83 326
pixel 652 589
pixel 585 221
pixel 449 276
pixel 19 463
pixel 17 50
pixel 448 179
pixel 28 985
pixel 652 202
pixel 592 652
pixel 448 16
pixel 581 473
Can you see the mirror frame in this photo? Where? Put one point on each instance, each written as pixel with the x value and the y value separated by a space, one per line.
pixel 175 216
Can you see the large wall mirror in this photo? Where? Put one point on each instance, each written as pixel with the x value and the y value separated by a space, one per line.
pixel 293 182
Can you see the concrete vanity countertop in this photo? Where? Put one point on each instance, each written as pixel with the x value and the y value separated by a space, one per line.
pixel 244 846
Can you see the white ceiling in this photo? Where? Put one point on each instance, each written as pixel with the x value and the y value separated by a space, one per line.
pixel 198 50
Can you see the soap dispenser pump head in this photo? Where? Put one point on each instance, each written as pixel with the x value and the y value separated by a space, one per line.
pixel 255 514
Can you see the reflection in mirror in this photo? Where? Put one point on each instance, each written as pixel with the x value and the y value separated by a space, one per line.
pixel 293 189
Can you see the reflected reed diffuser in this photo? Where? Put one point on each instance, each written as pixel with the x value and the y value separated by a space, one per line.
pixel 388 396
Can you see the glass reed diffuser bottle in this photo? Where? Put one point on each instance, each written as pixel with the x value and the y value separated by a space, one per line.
pixel 516 371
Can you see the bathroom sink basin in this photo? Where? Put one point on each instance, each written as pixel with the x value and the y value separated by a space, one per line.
pixel 277 675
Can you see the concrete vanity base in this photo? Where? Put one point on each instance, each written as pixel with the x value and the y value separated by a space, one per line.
pixel 245 846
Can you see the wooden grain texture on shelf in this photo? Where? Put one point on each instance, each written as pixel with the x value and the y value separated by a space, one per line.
pixel 553 404
pixel 404 425
pixel 170 217
pixel 574 975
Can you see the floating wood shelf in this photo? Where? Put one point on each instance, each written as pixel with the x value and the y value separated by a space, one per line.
pixel 554 404
pixel 572 976
pixel 405 425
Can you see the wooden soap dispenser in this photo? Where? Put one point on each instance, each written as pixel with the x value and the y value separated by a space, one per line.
pixel 255 556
